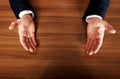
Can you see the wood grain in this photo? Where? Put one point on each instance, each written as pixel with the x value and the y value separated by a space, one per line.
pixel 61 35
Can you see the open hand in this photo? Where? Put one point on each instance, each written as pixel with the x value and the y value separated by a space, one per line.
pixel 26 31
pixel 95 34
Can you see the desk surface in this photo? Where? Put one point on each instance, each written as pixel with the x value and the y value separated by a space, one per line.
pixel 61 35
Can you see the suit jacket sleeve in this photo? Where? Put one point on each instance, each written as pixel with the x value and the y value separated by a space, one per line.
pixel 20 5
pixel 97 7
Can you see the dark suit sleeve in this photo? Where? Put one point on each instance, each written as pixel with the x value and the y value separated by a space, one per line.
pixel 20 5
pixel 97 7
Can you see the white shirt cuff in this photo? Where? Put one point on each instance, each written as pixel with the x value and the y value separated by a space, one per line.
pixel 93 16
pixel 22 13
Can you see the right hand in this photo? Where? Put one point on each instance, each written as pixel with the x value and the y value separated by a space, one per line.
pixel 26 31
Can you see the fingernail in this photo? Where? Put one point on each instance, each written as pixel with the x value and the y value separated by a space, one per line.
pixel 113 31
pixel 31 50
pixel 9 28
pixel 95 52
pixel 90 54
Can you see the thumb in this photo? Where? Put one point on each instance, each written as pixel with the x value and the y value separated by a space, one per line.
pixel 14 24
pixel 110 29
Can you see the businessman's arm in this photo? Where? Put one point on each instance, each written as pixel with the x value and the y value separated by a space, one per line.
pixel 19 6
pixel 97 7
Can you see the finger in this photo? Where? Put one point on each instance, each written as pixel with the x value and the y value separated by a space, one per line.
pixel 99 41
pixel 23 39
pixel 32 35
pixel 89 46
pixel 32 47
pixel 14 24
pixel 90 51
pixel 95 49
pixel 28 44
pixel 87 43
pixel 98 45
pixel 110 29
pixel 92 47
pixel 24 42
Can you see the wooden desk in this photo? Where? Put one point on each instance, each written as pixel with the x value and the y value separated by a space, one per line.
pixel 61 35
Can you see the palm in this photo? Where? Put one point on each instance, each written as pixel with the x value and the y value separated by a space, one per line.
pixel 95 35
pixel 26 31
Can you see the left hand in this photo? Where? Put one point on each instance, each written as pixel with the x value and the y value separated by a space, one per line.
pixel 95 34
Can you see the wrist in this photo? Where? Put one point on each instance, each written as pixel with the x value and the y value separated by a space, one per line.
pixel 27 19
pixel 93 19
pixel 29 16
